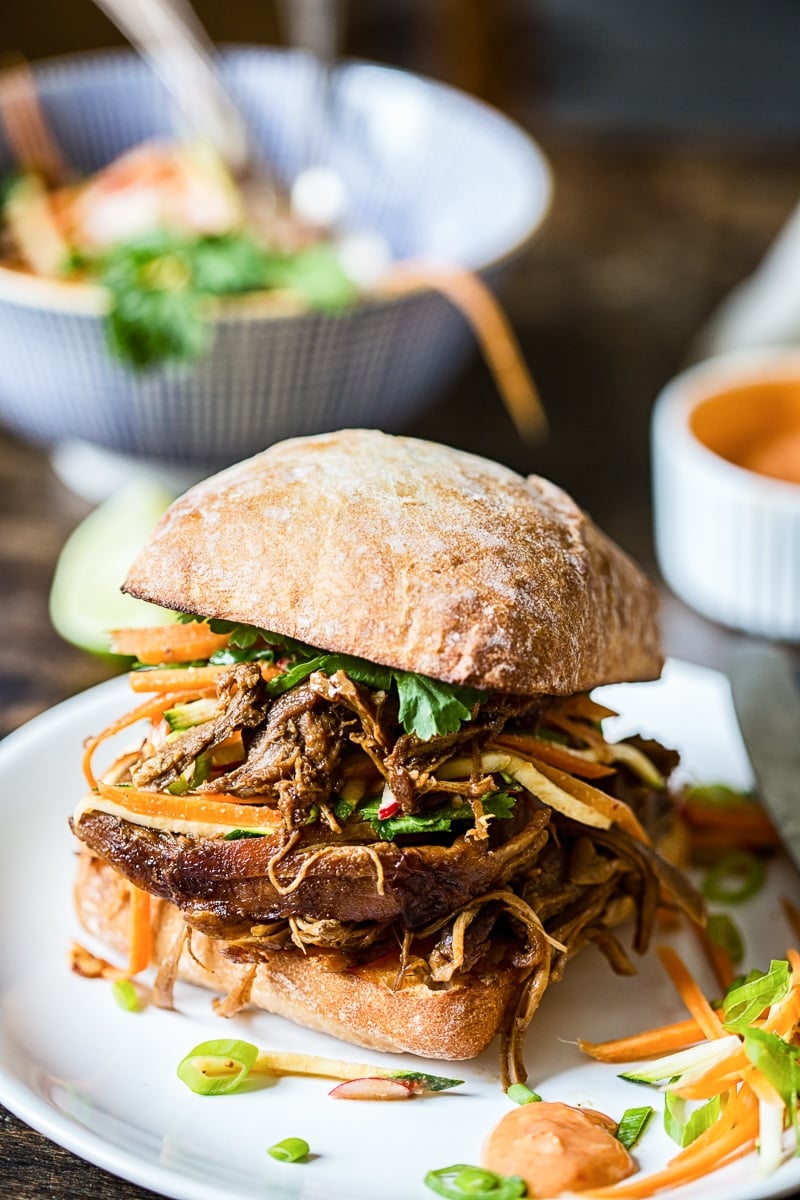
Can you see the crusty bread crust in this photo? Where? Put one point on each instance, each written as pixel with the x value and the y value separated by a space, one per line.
pixel 413 555
pixel 358 1005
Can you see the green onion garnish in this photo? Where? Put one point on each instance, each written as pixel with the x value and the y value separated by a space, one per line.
pixel 290 1150
pixel 215 1068
pixel 735 878
pixel 746 999
pixel 723 932
pixel 632 1125
pixel 779 1060
pixel 520 1093
pixel 463 1182
pixel 718 795
pixel 684 1129
pixel 126 995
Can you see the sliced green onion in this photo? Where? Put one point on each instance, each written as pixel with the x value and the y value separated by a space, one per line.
pixel 778 1060
pixel 683 1129
pixel 464 1182
pixel 236 835
pixel 632 1125
pixel 735 878
pixel 722 931
pixel 520 1093
pixel 126 995
pixel 747 999
pixel 218 1067
pixel 290 1150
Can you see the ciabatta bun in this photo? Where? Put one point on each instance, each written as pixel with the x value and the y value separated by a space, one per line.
pixel 412 555
pixel 360 1005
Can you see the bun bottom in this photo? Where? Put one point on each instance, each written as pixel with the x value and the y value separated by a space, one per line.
pixel 358 1005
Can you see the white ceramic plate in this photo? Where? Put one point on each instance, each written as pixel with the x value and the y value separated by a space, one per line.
pixel 102 1082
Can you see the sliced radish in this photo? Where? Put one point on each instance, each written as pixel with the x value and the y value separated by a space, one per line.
pixel 373 1088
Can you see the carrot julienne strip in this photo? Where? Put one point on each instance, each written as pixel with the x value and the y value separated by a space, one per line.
pixel 553 755
pixel 718 959
pixel 141 932
pixel 492 330
pixel 214 808
pixel 202 680
pixel 149 710
pixel 168 643
pixel 661 1040
pixel 690 993
pixel 729 1138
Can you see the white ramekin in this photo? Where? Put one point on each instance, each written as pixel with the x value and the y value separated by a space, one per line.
pixel 727 539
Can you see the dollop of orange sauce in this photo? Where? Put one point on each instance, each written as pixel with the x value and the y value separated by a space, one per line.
pixel 755 426
pixel 557 1148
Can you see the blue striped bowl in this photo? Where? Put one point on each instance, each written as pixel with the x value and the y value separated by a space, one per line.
pixel 438 174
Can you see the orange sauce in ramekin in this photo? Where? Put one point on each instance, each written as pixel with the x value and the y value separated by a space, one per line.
pixel 755 426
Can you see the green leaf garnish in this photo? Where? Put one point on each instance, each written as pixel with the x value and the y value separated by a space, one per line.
pixel 746 1000
pixel 779 1061
pixel 427 706
pixel 159 282
pixel 236 835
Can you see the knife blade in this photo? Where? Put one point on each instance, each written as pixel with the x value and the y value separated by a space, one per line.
pixel 767 703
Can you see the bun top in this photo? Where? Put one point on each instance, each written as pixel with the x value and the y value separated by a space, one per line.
pixel 412 555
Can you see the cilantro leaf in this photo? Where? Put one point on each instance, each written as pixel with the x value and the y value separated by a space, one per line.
pixel 428 707
pixel 158 285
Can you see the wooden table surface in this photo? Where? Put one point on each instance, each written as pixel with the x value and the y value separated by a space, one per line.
pixel 641 245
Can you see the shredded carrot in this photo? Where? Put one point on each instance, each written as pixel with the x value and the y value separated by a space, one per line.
pixel 733 1136
pixel 555 756
pixel 718 958
pixel 581 705
pixel 473 299
pixel 690 992
pixel 582 731
pixel 661 1040
pixel 141 936
pixel 721 827
pixel 201 680
pixel 168 643
pixel 151 709
pixel 210 808
pixel 721 1077
pixel 616 810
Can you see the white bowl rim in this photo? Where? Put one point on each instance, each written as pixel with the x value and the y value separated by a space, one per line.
pixel 681 395
pixel 89 299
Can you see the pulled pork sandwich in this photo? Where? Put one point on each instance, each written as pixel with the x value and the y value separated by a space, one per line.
pixel 374 794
